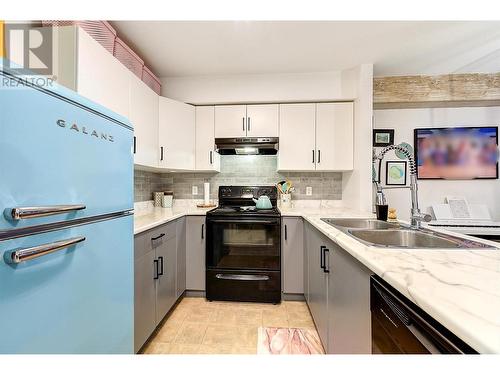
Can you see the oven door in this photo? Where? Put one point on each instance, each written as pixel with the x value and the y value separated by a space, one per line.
pixel 243 243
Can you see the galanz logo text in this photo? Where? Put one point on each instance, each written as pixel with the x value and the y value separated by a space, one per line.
pixel 86 130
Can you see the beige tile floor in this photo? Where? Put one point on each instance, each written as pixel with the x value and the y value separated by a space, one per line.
pixel 197 326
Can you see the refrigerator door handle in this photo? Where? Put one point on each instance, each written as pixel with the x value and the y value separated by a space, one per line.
pixel 18 213
pixel 21 255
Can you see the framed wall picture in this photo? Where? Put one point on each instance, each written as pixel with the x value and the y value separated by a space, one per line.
pixel 395 173
pixel 383 137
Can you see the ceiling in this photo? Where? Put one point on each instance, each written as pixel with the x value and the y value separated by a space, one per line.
pixel 194 48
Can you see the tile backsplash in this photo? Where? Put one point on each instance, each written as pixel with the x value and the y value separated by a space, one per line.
pixel 238 170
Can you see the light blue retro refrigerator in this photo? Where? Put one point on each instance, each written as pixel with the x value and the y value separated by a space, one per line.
pixel 66 224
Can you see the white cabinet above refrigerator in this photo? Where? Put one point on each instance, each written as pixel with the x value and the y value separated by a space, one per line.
pixel 85 66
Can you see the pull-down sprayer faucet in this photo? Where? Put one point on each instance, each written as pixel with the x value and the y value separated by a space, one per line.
pixel 416 216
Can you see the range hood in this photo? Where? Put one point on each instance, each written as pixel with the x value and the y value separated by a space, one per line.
pixel 247 146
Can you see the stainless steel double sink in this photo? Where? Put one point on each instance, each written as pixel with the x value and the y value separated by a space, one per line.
pixel 383 234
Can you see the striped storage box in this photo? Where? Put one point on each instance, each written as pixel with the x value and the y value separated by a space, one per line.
pixel 151 80
pixel 128 57
pixel 101 31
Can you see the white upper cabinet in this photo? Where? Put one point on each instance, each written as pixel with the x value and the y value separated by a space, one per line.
pixel 262 120
pixel 99 76
pixel 144 118
pixel 316 137
pixel 297 149
pixel 334 136
pixel 230 121
pixel 206 159
pixel 255 120
pixel 176 135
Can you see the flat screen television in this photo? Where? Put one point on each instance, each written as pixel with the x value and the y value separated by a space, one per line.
pixel 462 153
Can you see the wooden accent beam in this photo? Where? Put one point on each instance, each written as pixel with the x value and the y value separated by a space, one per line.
pixel 441 90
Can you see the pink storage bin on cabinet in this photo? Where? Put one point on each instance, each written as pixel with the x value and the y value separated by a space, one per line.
pixel 101 31
pixel 151 80
pixel 106 35
pixel 128 57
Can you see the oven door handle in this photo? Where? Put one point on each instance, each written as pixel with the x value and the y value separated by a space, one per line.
pixel 243 221
pixel 242 277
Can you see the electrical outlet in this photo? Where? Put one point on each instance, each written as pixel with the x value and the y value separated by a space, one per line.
pixel 195 190
pixel 309 190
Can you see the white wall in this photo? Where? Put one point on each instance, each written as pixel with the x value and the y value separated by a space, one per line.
pixel 257 88
pixel 434 191
pixel 357 185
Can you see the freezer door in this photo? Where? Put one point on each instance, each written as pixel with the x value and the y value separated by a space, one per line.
pixel 77 299
pixel 56 149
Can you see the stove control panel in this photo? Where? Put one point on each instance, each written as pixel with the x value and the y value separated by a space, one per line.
pixel 247 192
pixel 269 191
pixel 225 192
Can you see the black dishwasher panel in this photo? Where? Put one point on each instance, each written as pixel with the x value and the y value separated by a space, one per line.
pixel 401 327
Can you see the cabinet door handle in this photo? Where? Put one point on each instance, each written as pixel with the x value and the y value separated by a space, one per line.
pixel 158 237
pixel 248 123
pixel 286 233
pixel 155 263
pixel 319 156
pixel 202 231
pixel 161 153
pixel 211 160
pixel 161 266
pixel 313 156
pixel 326 268
pixel 243 123
pixel 322 256
pixel 135 144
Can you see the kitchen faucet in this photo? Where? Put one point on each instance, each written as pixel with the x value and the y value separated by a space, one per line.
pixel 416 216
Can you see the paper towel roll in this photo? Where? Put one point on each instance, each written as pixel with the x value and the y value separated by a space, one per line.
pixel 206 188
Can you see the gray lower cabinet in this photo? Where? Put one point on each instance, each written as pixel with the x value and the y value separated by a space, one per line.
pixel 349 319
pixel 145 299
pixel 166 255
pixel 305 268
pixel 292 255
pixel 154 279
pixel 195 253
pixel 317 282
pixel 181 257
pixel 338 295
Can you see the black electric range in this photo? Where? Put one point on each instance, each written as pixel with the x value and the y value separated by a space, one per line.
pixel 243 248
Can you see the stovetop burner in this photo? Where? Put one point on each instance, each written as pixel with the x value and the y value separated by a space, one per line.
pixel 245 208
pixel 242 210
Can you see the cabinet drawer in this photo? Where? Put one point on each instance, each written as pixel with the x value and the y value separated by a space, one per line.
pixel 146 242
pixel 251 286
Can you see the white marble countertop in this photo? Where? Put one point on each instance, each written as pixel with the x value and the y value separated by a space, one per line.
pixel 458 288
pixel 157 216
